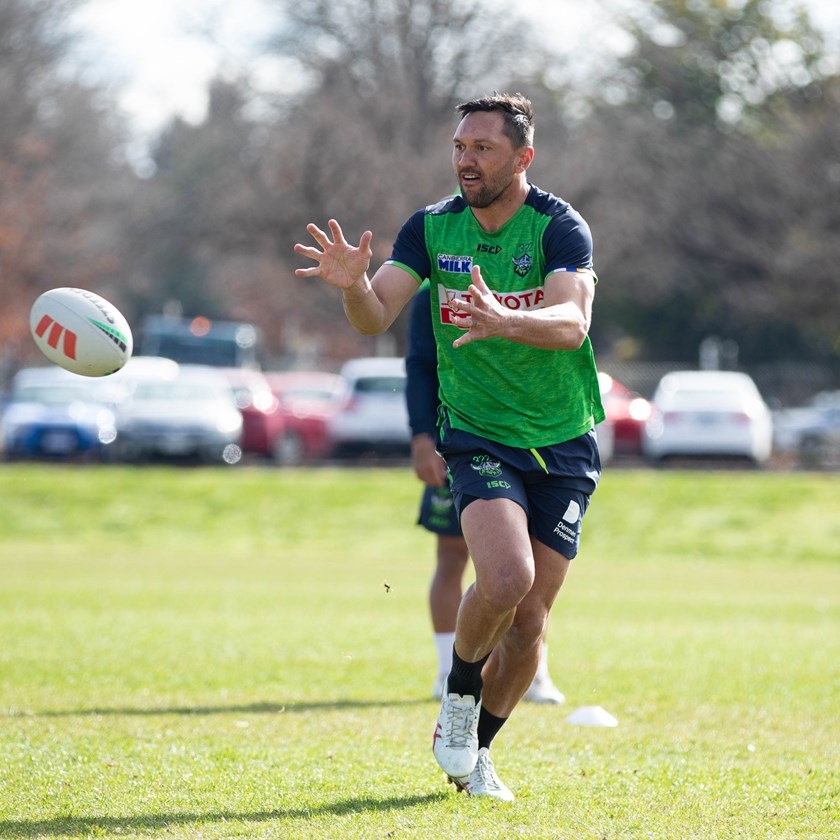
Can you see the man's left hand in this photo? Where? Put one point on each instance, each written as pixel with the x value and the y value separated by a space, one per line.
pixel 485 316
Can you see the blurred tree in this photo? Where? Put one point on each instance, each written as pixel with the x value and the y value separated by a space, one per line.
pixel 703 214
pixel 196 207
pixel 61 182
pixel 366 140
pixel 706 165
pixel 375 119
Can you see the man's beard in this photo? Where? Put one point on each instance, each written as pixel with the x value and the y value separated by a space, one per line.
pixel 490 190
pixel 486 195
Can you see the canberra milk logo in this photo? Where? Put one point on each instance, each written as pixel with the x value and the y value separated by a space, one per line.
pixel 454 265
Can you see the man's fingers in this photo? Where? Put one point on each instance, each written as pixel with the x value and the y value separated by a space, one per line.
pixel 337 232
pixel 307 251
pixel 364 242
pixel 318 235
pixel 478 280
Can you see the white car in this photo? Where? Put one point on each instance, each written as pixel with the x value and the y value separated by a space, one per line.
pixel 174 411
pixel 372 414
pixel 712 413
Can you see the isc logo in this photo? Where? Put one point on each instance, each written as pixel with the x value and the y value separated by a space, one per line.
pixel 54 332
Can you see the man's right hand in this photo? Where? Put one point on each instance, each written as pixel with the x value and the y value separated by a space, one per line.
pixel 339 263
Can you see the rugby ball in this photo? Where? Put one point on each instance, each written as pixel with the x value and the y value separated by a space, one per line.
pixel 81 331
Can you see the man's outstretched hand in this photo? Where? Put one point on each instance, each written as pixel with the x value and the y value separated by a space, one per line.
pixel 338 262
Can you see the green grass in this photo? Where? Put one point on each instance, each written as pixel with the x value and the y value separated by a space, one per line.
pixel 215 653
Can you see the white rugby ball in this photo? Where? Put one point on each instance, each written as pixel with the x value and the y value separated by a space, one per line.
pixel 81 331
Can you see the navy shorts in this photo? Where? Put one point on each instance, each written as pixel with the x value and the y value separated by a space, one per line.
pixel 438 513
pixel 552 484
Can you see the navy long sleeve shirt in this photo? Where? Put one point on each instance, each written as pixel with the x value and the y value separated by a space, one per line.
pixel 421 367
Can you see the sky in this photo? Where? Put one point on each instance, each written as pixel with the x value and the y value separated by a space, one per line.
pixel 158 55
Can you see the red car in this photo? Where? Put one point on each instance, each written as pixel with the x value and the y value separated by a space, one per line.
pixel 627 412
pixel 263 426
pixel 307 400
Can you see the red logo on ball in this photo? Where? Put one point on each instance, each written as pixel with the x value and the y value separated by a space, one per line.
pixel 47 324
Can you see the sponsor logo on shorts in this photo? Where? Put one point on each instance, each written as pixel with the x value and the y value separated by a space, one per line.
pixel 572 517
pixel 572 513
pixel 441 504
pixel 565 532
pixel 486 466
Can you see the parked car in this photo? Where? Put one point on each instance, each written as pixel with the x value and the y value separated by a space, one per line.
pixel 371 415
pixel 818 445
pixel 627 411
pixel 180 412
pixel 307 399
pixel 710 413
pixel 262 420
pixel 52 413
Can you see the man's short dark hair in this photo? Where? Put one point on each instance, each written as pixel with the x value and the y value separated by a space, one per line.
pixel 516 109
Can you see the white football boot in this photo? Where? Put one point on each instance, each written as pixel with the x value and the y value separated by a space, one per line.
pixel 455 742
pixel 483 780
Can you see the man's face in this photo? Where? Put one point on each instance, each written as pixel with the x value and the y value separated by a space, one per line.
pixel 483 157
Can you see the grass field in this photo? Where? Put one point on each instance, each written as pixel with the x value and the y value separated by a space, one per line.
pixel 247 653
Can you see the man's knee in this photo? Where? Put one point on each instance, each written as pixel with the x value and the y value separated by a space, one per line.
pixel 504 587
pixel 528 629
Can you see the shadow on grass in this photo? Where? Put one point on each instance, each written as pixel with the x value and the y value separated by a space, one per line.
pixel 246 709
pixel 77 826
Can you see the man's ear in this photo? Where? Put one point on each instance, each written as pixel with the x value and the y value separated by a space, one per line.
pixel 526 158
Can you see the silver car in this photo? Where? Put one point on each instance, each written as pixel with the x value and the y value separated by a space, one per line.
pixel 372 414
pixel 183 412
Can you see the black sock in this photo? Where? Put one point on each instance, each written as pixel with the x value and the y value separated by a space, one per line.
pixel 488 727
pixel 465 677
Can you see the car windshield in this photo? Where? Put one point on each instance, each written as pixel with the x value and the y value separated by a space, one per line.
pixel 724 398
pixel 307 393
pixel 179 391
pixel 53 394
pixel 380 385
